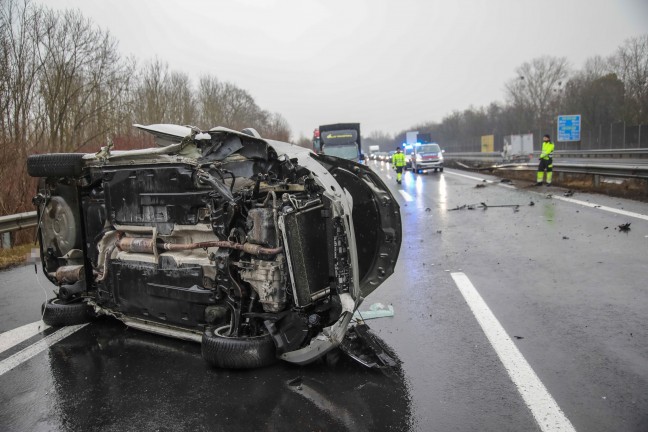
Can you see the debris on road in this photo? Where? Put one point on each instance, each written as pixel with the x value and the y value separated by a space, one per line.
pixel 624 227
pixel 505 180
pixel 569 193
pixel 531 204
pixel 518 337
pixel 565 238
pixel 366 348
pixel 484 206
pixel 428 209
pixel 480 185
pixel 376 310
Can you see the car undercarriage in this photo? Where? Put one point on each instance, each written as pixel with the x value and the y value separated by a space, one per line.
pixel 258 249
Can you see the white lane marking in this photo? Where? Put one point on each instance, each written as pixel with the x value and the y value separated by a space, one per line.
pixel 481 180
pixel 602 207
pixel 468 177
pixel 11 338
pixel 566 199
pixel 407 196
pixel 22 356
pixel 544 408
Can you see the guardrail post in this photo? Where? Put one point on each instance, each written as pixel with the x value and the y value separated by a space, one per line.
pixel 597 180
pixel 6 240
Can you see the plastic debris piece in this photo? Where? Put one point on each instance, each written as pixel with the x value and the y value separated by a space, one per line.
pixel 624 227
pixel 376 310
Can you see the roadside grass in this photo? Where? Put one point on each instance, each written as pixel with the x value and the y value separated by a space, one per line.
pixel 15 255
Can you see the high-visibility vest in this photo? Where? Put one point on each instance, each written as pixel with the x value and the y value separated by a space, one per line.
pixel 398 160
pixel 547 150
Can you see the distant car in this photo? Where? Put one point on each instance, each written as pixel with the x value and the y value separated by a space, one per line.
pixel 427 157
pixel 380 156
pixel 390 155
pixel 257 249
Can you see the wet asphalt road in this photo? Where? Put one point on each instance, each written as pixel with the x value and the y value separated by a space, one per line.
pixel 565 284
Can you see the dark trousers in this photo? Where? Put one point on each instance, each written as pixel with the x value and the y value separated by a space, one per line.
pixel 546 164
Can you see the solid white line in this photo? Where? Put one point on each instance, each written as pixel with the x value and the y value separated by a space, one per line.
pixel 407 196
pixel 11 338
pixel 566 199
pixel 602 207
pixel 22 356
pixel 468 177
pixel 543 407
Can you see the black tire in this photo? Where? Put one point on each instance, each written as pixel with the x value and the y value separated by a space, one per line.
pixel 440 169
pixel 237 352
pixel 57 314
pixel 55 165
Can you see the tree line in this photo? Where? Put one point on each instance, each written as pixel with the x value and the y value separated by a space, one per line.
pixel 604 91
pixel 65 87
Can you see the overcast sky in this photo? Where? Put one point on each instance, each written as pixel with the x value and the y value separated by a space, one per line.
pixel 386 64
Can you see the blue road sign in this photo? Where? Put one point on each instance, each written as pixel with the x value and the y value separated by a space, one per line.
pixel 569 127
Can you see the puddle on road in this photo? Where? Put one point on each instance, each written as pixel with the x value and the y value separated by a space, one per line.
pixel 114 378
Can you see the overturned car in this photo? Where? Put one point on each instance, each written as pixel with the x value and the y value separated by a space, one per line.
pixel 258 249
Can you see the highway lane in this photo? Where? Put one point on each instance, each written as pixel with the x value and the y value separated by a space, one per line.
pixel 558 274
pixel 567 291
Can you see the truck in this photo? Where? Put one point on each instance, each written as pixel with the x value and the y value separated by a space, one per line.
pixel 341 140
pixel 517 148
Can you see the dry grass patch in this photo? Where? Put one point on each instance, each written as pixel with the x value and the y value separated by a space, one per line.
pixel 15 255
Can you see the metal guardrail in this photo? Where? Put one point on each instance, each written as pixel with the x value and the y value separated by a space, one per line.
pixel 629 168
pixel 638 153
pixel 605 170
pixel 18 221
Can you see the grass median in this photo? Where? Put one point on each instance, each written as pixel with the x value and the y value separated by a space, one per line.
pixel 16 255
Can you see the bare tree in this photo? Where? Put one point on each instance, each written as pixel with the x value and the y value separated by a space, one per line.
pixel 631 65
pixel 275 127
pixel 180 100
pixel 537 87
pixel 20 29
pixel 595 92
pixel 209 101
pixel 150 96
pixel 384 140
pixel 83 79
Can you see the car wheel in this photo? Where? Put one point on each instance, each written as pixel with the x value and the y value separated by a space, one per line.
pixel 435 170
pixel 237 352
pixel 440 169
pixel 58 314
pixel 55 165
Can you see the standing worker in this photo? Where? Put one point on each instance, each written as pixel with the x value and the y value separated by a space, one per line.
pixel 546 161
pixel 398 162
